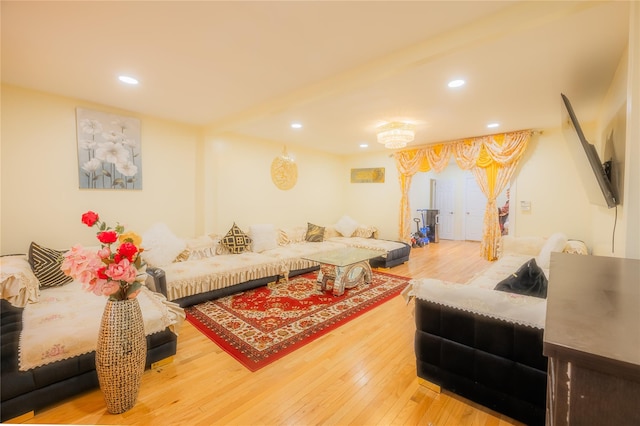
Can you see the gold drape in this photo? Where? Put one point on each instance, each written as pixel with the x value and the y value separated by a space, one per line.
pixel 491 159
pixel 408 162
pixel 466 152
pixel 438 156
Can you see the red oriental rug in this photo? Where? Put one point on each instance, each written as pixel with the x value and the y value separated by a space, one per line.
pixel 260 326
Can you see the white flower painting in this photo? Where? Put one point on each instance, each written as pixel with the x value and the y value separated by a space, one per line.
pixel 109 155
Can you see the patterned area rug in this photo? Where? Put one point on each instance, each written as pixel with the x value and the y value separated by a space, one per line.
pixel 260 326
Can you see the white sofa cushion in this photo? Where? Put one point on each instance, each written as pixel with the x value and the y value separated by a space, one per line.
pixel 521 245
pixel 499 270
pixel 346 226
pixel 555 243
pixel 161 246
pixel 264 237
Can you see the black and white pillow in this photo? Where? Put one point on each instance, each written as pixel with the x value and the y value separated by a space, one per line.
pixel 236 241
pixel 45 263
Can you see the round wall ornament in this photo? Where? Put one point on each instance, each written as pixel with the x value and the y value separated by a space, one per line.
pixel 284 171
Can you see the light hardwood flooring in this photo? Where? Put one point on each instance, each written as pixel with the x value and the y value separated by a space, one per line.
pixel 362 373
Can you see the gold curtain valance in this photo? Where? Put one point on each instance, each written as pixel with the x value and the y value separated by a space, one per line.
pixel 492 160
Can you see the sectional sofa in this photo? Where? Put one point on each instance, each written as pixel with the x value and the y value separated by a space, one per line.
pixel 485 344
pixel 48 337
pixel 208 267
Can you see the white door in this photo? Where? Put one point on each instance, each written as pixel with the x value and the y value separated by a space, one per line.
pixel 475 203
pixel 444 201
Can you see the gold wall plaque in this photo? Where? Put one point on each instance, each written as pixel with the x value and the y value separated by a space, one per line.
pixel 371 175
pixel 284 171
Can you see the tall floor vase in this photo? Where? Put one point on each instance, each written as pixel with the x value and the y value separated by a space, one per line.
pixel 121 354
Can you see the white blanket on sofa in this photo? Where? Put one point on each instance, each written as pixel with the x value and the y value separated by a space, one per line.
pixel 65 323
pixel 515 308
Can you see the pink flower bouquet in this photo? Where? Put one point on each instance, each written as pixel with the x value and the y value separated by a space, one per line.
pixel 115 270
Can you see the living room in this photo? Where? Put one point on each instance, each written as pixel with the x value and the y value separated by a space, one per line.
pixel 192 174
pixel 201 178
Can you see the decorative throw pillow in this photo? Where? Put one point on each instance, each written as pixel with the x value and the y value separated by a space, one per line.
pixel 161 246
pixel 529 280
pixel 199 248
pixel 315 233
pixel 365 231
pixel 236 241
pixel 555 243
pixel 576 247
pixel 330 232
pixel 264 237
pixel 346 226
pixel 292 235
pixel 45 263
pixel 183 256
pixel 18 283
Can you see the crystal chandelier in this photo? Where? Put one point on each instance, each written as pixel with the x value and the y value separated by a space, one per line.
pixel 395 134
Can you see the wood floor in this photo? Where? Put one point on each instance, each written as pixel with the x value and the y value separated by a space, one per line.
pixel 362 373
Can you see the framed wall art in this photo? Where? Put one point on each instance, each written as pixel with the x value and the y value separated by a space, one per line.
pixel 370 175
pixel 109 151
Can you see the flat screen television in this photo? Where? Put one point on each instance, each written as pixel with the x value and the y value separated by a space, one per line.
pixel 595 175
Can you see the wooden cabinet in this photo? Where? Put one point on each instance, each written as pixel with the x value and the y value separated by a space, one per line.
pixel 592 340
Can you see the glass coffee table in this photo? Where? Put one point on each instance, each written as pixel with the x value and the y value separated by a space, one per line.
pixel 345 266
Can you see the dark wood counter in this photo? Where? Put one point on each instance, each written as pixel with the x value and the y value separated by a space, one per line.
pixel 592 340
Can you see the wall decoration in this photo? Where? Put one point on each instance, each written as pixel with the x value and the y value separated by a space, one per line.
pixel 109 152
pixel 284 171
pixel 371 175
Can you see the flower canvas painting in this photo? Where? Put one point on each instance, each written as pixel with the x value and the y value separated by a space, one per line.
pixel 109 152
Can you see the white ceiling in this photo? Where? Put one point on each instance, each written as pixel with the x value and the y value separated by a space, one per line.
pixel 339 68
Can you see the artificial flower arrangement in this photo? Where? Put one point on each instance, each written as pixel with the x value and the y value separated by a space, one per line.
pixel 115 270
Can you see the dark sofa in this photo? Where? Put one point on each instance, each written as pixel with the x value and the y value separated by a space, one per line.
pixel 496 363
pixel 392 258
pixel 26 391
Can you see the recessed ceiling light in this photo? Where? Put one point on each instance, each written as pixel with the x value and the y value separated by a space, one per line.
pixel 296 125
pixel 364 145
pixel 456 83
pixel 493 125
pixel 127 79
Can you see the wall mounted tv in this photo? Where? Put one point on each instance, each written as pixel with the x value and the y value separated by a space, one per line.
pixel 595 175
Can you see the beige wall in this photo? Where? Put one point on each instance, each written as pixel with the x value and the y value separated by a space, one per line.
pixel 238 186
pixel 374 204
pixel 613 109
pixel 632 176
pixel 198 182
pixel 548 179
pixel 40 197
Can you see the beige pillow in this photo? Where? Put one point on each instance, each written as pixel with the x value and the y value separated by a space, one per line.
pixel 555 243
pixel 330 232
pixel 292 235
pixel 366 231
pixel 576 247
pixel 161 246
pixel 18 284
pixel 264 237
pixel 346 226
